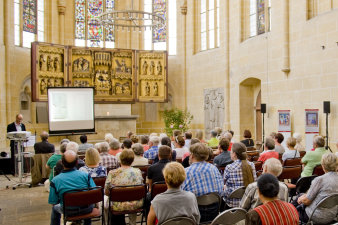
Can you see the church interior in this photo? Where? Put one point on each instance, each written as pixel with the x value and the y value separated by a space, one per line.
pixel 259 65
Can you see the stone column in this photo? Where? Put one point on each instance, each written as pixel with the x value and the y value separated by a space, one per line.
pixel 227 62
pixel 286 26
pixel 184 10
pixel 61 10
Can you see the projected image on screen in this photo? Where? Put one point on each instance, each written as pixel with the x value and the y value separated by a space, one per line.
pixel 71 110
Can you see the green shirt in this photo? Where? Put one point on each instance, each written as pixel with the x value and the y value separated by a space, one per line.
pixel 312 159
pixel 51 163
pixel 213 142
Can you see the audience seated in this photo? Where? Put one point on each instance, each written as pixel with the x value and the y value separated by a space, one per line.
pixel 69 179
pixel 251 199
pixel 166 141
pixel 109 137
pixel 273 211
pixel 124 176
pixel 228 135
pixel 224 158
pixel 134 139
pixel 175 134
pixel 186 160
pixel 153 148
pixel 291 152
pixel 239 173
pixel 44 147
pixel 320 188
pixel 139 160
pixel 155 171
pixel 114 147
pixel 279 138
pixel 84 145
pixel 299 147
pixel 269 151
pixel 247 139
pixel 213 142
pixel 108 160
pixel 179 147
pixel 199 136
pixel 144 142
pixel 203 178
pixel 71 146
pixel 313 158
pixel 187 138
pixel 92 166
pixel 174 202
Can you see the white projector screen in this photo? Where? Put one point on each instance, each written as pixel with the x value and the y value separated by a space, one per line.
pixel 71 110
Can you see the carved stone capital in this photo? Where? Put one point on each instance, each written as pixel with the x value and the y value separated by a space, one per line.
pixel 184 8
pixel 61 7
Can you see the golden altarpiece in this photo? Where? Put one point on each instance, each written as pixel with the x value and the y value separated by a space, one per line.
pixel 117 75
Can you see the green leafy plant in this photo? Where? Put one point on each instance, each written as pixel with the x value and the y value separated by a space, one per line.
pixel 176 119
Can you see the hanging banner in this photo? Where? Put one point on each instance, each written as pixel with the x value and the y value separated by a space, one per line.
pixel 284 125
pixel 311 127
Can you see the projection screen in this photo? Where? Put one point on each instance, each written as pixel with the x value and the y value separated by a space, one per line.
pixel 71 110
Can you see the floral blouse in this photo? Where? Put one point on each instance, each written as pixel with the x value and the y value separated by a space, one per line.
pixel 124 177
pixel 99 171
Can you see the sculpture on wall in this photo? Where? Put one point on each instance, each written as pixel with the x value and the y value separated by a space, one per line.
pixel 42 62
pixel 213 108
pixel 81 65
pixel 159 68
pixel 49 63
pixel 155 89
pixel 152 68
pixel 147 89
pixel 145 68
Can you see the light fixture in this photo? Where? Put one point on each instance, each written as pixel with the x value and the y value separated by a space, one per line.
pixel 130 19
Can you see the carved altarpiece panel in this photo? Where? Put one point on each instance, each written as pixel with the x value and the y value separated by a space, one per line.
pixel 213 108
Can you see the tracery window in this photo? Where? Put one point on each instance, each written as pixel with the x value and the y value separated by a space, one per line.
pixel 88 31
pixel 260 17
pixel 209 24
pixel 28 22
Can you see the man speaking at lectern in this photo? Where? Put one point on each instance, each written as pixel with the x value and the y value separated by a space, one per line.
pixel 15 126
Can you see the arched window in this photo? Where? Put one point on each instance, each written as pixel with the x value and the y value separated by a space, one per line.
pixel 88 31
pixel 163 38
pixel 28 22
pixel 260 17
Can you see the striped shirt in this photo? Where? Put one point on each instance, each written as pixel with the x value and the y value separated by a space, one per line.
pixel 203 178
pixel 109 161
pixel 151 153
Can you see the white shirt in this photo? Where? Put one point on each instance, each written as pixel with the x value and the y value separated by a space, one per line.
pixel 18 127
pixel 180 152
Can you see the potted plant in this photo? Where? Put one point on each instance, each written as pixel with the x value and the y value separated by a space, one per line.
pixel 176 119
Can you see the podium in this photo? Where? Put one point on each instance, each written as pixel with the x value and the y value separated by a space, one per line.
pixel 19 138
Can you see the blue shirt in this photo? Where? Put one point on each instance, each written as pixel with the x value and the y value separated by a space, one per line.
pixel 151 153
pixel 203 178
pixel 66 181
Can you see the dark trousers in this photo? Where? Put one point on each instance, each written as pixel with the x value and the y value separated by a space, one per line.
pixel 209 212
pixel 117 220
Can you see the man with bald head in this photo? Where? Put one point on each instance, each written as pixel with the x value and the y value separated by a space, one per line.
pixel 69 179
pixel 15 126
pixel 44 146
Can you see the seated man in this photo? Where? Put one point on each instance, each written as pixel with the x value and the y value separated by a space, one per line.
pixel 153 148
pixel 203 178
pixel 44 146
pixel 69 179
pixel 155 171
pixel 166 141
pixel 312 158
pixel 251 199
pixel 107 160
pixel 84 145
pixel 269 152
pixel 224 158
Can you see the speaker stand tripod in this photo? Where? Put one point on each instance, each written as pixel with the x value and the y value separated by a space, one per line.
pixel 327 147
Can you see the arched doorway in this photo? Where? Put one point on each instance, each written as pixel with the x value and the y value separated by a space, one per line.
pixel 250 110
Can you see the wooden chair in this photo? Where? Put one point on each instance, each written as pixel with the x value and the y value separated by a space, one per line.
pixel 251 148
pixel 290 172
pixel 126 194
pixel 258 165
pixel 318 170
pixel 179 221
pixel 179 160
pixel 326 203
pixel 150 161
pixel 157 188
pixel 229 217
pixel 302 153
pixel 144 171
pixel 292 162
pixel 83 197
pixel 280 156
pixel 253 155
pixel 100 181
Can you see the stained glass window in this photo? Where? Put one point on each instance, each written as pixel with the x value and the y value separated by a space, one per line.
pixel 259 16
pixel 29 15
pixel 209 24
pixel 160 9
pixel 88 31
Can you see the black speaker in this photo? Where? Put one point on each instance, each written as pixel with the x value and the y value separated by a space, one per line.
pixel 263 108
pixel 326 107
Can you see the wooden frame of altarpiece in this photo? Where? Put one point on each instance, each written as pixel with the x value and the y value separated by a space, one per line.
pixel 115 74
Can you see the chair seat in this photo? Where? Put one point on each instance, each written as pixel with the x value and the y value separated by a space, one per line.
pixel 95 213
pixel 126 211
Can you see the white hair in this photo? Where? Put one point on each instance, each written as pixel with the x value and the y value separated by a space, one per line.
pixel 108 137
pixel 155 140
pixel 72 146
pixel 162 135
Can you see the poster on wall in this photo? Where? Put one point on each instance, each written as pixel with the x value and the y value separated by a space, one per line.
pixel 284 125
pixel 311 127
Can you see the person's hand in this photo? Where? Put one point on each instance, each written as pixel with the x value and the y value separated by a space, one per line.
pixel 300 199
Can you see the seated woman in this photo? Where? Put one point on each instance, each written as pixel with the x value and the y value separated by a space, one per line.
pixel 247 139
pixel 92 164
pixel 291 152
pixel 139 160
pixel 179 147
pixel 124 176
pixel 273 211
pixel 239 173
pixel 174 202
pixel 321 187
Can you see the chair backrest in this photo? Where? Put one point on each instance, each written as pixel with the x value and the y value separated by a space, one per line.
pixel 179 221
pixel 237 193
pixel 304 183
pixel 292 162
pixel 318 170
pixel 326 203
pixel 302 153
pixel 82 197
pixel 110 168
pixel 179 160
pixel 229 217
pixel 251 148
pixel 128 193
pixel 208 199
pixel 99 181
pixel 290 172
pixel 252 153
pixel 280 156
pixel 158 188
pixel 258 165
pixel 253 158
pixel 144 171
